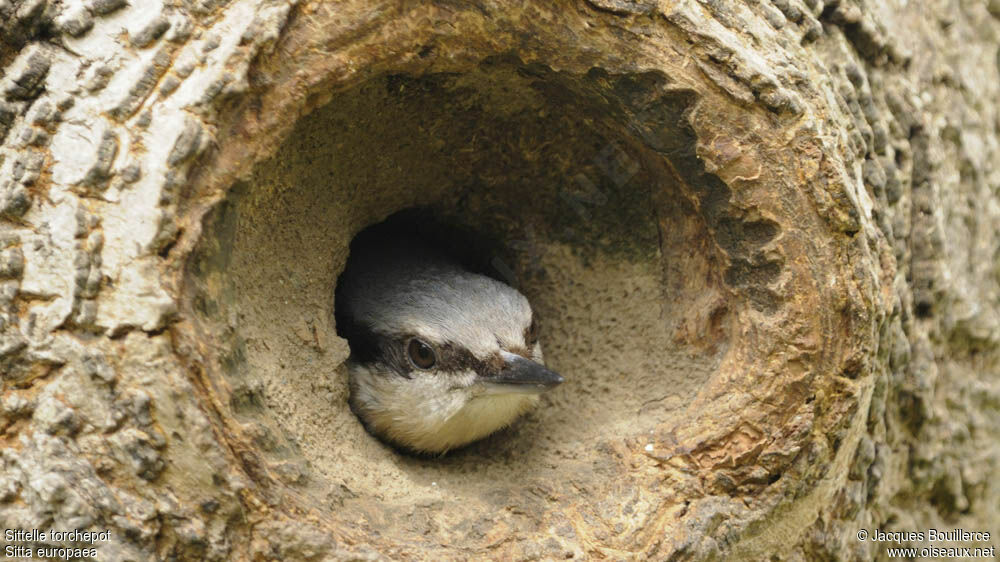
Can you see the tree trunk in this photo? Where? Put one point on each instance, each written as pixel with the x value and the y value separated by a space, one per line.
pixel 762 235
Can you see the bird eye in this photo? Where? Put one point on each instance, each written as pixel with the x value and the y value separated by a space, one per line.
pixel 532 333
pixel 421 354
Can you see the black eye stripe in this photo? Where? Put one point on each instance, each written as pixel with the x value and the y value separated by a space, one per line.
pixel 390 352
pixel 454 358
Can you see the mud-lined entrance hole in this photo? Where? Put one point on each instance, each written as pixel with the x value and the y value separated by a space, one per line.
pixel 577 180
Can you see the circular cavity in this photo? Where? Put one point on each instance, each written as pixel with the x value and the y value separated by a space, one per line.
pixel 586 221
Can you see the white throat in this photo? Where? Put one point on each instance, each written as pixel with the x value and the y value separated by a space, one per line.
pixel 425 416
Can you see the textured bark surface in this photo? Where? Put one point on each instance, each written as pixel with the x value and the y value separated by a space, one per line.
pixel 763 237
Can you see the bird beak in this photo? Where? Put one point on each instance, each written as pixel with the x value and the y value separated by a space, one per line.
pixel 521 375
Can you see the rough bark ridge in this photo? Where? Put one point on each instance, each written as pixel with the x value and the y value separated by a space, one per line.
pixel 810 194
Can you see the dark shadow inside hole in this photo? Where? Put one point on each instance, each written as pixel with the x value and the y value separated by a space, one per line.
pixel 423 226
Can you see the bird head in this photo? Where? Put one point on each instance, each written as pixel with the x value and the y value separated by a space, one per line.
pixel 440 356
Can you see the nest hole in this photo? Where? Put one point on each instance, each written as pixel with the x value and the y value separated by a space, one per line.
pixel 564 190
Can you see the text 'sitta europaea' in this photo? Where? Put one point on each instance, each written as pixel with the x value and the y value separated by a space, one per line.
pixel 440 356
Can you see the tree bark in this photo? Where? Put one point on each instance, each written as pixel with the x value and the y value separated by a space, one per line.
pixel 763 237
